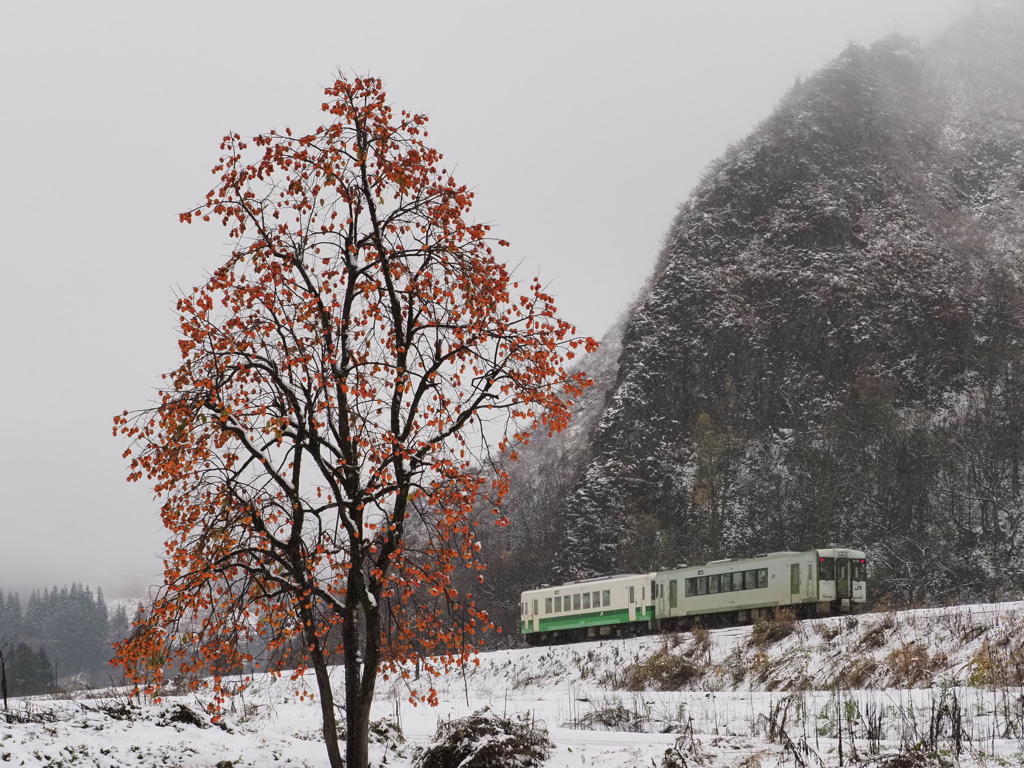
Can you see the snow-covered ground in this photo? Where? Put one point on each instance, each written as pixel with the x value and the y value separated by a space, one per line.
pixel 942 681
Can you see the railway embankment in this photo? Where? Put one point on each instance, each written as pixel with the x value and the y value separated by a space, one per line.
pixel 940 686
pixel 970 645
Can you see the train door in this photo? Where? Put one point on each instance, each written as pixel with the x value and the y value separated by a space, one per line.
pixel 858 575
pixel 844 584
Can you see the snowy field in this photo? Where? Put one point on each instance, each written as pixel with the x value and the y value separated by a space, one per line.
pixel 944 683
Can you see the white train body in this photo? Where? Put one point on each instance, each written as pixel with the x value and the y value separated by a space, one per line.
pixel 814 582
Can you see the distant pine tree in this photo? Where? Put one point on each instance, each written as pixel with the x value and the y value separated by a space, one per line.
pixel 29 672
pixel 10 618
pixel 34 624
pixel 119 626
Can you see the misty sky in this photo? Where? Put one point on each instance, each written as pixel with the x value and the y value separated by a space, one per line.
pixel 580 125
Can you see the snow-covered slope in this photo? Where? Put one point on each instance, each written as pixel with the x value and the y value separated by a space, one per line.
pixel 944 681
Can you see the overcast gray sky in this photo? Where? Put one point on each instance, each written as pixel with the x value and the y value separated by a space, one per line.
pixel 581 126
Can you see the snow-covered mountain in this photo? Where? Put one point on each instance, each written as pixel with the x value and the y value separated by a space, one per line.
pixel 829 350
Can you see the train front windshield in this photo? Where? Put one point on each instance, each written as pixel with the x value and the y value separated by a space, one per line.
pixel 860 570
pixel 826 568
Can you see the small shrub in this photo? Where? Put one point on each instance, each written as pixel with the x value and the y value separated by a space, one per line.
pixel 663 670
pixel 972 633
pixel 767 632
pixel 736 666
pixel 764 668
pixel 827 630
pixel 614 716
pixel 915 757
pixel 685 753
pixel 389 734
pixel 119 710
pixel 997 665
pixel 485 740
pixel 910 664
pixel 701 643
pixel 874 637
pixel 753 760
pixel 179 713
pixel 858 674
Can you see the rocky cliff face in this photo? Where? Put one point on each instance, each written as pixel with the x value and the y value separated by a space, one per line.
pixel 830 348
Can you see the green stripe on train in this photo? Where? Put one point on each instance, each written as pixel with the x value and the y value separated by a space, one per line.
pixel 592 619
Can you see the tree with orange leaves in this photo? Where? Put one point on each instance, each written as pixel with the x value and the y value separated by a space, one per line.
pixel 316 451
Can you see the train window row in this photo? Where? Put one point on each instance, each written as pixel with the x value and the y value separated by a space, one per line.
pixel 578 602
pixel 727 582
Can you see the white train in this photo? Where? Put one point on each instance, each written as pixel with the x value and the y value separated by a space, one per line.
pixel 816 582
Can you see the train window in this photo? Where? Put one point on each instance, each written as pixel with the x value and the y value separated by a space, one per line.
pixel 702 585
pixel 568 603
pixel 586 600
pixel 632 594
pixel 643 594
pixel 535 611
pixel 750 579
pixel 860 570
pixel 713 582
pixel 558 605
pixel 762 578
pixel 827 568
pixel 673 593
pixel 606 597
pixel 654 590
pixel 737 581
pixel 726 580
pixel 691 587
pixel 575 602
pixel 596 597
pixel 843 570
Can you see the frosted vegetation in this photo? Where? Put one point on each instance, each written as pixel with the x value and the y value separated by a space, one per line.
pixel 936 687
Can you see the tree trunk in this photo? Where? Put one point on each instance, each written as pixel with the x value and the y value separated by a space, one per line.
pixel 361 654
pixel 357 706
pixel 330 719
pixel 323 683
pixel 362 657
pixel 357 716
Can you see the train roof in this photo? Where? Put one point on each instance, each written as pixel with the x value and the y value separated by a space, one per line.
pixel 588 582
pixel 744 562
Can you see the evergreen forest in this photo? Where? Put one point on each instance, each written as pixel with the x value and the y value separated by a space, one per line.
pixel 60 639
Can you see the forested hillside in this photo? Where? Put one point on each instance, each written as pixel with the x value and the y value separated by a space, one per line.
pixel 829 349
